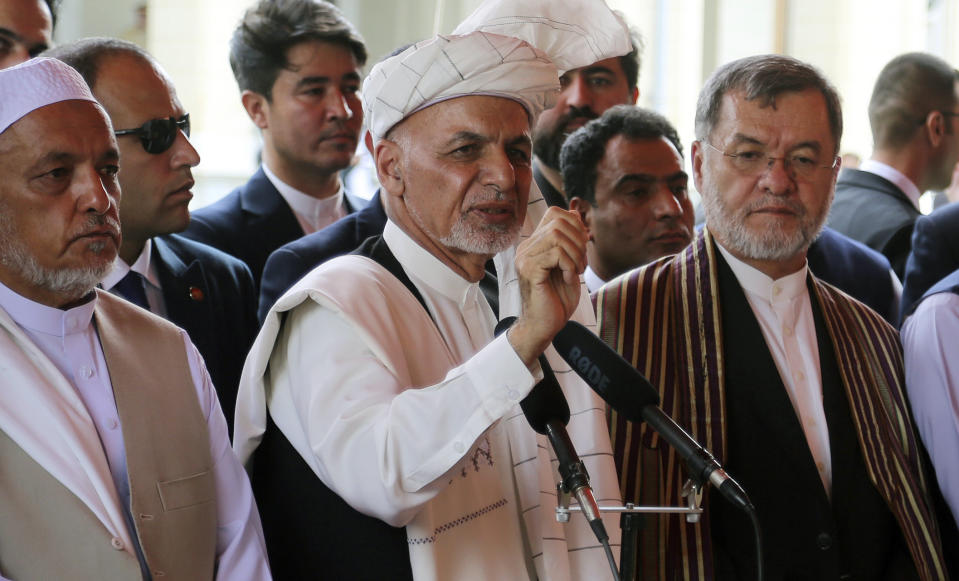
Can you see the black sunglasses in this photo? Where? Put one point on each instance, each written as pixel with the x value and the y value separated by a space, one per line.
pixel 157 135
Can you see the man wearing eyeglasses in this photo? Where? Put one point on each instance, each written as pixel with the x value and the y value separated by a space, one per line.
pixel 915 133
pixel 298 65
pixel 795 387
pixel 26 29
pixel 199 288
pixel 114 455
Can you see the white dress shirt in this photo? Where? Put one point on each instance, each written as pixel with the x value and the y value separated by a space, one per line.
pixel 311 212
pixel 145 267
pixel 784 312
pixel 895 176
pixel 929 338
pixel 70 340
pixel 592 280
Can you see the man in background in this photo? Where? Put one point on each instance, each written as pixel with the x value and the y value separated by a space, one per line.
pixel 624 176
pixel 912 113
pixel 26 29
pixel 585 93
pixel 208 293
pixel 298 65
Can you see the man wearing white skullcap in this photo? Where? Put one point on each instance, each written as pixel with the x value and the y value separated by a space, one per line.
pixel 113 449
pixel 378 372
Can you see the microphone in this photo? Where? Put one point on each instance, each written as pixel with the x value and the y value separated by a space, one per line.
pixel 633 397
pixel 547 412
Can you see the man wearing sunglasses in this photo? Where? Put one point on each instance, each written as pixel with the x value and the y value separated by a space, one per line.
pixel 199 288
pixel 297 63
pixel 915 133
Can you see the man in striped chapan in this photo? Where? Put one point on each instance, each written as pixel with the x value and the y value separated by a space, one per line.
pixel 795 387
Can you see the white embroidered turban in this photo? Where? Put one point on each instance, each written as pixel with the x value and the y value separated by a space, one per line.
pixel 507 48
pixel 37 83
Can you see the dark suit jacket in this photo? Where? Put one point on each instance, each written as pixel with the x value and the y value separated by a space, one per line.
pixel 211 295
pixel 935 254
pixel 251 222
pixel 855 269
pixel 293 260
pixel 875 212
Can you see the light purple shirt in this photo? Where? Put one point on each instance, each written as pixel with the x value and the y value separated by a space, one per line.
pixel 70 340
pixel 929 339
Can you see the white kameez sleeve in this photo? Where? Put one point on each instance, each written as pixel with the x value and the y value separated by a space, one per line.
pixel 383 446
pixel 240 547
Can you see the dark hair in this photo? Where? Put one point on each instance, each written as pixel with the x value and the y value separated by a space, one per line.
pixel 54 6
pixel 764 77
pixel 269 29
pixel 585 148
pixel 631 61
pixel 87 54
pixel 909 87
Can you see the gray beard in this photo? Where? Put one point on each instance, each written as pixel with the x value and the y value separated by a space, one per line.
pixel 767 245
pixel 70 283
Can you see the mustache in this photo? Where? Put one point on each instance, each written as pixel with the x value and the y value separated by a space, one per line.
pixel 576 113
pixel 95 223
pixel 767 201
pixel 337 127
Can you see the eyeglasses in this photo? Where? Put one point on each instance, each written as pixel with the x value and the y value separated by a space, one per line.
pixel 157 135
pixel 756 162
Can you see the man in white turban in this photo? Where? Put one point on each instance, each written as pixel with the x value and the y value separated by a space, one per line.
pixel 114 454
pixel 377 376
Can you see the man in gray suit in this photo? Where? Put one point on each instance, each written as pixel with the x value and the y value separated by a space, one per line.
pixel 912 113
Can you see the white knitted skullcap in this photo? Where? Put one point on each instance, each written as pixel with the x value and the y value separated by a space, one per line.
pixel 508 48
pixel 37 83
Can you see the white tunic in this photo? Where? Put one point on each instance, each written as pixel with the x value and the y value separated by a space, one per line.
pixel 414 421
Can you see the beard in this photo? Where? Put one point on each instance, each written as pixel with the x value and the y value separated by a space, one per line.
pixel 69 283
pixel 770 243
pixel 548 142
pixel 466 236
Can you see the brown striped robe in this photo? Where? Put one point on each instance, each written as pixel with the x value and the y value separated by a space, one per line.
pixel 665 319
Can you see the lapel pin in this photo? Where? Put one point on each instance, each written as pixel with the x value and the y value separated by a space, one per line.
pixel 196 293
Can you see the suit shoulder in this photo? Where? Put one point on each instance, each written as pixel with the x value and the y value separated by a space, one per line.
pixel 213 258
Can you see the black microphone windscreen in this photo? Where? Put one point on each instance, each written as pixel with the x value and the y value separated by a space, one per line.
pixel 504 324
pixel 546 401
pixel 610 376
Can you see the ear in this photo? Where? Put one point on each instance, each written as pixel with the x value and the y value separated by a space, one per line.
pixel 388 158
pixel 584 209
pixel 634 95
pixel 256 107
pixel 696 153
pixel 935 128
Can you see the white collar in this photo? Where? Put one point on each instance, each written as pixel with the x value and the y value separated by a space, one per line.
pixel 759 284
pixel 895 176
pixel 40 318
pixel 421 264
pixel 593 282
pixel 304 204
pixel 143 265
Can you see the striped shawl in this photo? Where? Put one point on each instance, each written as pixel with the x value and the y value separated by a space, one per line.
pixel 665 319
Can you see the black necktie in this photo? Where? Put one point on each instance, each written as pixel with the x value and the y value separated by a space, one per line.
pixel 131 288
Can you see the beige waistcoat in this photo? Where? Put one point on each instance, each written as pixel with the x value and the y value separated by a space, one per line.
pixel 46 532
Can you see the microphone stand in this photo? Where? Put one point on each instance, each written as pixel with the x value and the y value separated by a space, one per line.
pixel 631 517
